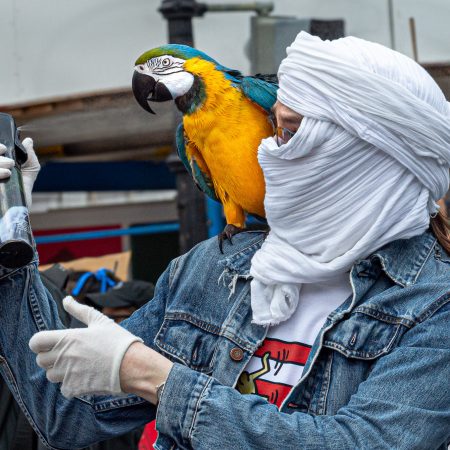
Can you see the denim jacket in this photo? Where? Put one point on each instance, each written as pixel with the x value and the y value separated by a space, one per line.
pixel 377 377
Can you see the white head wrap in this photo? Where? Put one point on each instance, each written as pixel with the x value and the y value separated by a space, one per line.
pixel 368 163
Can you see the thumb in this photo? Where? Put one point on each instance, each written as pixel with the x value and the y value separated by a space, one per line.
pixel 32 162
pixel 28 144
pixel 83 313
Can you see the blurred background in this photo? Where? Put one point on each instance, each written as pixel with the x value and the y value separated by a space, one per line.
pixel 59 48
pixel 112 203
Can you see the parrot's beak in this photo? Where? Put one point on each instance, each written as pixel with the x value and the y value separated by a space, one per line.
pixel 146 89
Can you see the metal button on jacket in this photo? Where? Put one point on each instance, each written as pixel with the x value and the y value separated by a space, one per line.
pixel 236 354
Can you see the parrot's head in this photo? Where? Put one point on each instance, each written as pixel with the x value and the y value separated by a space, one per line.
pixel 160 75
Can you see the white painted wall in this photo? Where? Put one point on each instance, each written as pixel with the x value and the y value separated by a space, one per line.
pixel 51 48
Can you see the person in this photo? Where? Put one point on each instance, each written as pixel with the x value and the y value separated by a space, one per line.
pixel 372 149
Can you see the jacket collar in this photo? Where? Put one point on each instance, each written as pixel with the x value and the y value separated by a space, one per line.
pixel 240 261
pixel 401 260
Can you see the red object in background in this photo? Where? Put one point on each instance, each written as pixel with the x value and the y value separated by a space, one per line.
pixel 67 251
pixel 148 437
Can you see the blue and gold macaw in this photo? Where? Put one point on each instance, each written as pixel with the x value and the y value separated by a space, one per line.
pixel 225 116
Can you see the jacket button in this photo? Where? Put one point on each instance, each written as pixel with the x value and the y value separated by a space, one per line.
pixel 236 354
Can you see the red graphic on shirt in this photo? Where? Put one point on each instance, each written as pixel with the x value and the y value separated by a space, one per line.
pixel 274 392
pixel 282 351
pixel 277 352
pixel 148 437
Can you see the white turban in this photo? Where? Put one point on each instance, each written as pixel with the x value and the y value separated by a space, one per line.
pixel 365 168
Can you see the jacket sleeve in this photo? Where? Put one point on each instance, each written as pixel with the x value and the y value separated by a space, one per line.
pixel 26 307
pixel 404 404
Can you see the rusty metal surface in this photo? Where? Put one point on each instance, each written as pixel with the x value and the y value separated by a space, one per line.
pixel 440 72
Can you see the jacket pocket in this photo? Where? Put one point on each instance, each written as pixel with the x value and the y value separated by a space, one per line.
pixel 366 334
pixel 190 341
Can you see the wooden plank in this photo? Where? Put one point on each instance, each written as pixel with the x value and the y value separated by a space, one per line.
pixel 134 213
pixel 94 122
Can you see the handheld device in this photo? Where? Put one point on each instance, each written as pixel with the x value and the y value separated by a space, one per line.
pixel 16 239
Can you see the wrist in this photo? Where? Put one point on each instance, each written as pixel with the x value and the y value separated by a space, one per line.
pixel 142 370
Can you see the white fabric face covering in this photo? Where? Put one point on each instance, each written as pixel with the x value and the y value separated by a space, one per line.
pixel 365 168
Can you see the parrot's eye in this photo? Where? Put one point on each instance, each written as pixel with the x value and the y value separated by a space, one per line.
pixel 166 65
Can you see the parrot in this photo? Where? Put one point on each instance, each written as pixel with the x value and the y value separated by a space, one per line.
pixel 225 115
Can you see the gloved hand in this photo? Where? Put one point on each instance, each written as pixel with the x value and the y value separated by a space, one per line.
pixel 84 360
pixel 30 168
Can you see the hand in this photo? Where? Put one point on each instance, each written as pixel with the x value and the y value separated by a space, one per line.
pixel 84 360
pixel 30 168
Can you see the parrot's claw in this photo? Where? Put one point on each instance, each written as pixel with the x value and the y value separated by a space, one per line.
pixel 228 232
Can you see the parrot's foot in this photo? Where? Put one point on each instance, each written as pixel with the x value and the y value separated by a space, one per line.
pixel 228 232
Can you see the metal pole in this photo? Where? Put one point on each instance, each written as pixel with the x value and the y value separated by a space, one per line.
pixel 261 8
pixel 391 23
pixel 154 228
pixel 412 31
pixel 191 201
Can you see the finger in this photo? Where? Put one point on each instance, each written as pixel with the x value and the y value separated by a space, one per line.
pixel 6 163
pixel 54 376
pixel 4 173
pixel 32 162
pixel 3 149
pixel 28 144
pixel 68 392
pixel 83 313
pixel 46 360
pixel 46 340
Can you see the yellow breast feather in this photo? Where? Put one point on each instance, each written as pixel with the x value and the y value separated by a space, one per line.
pixel 227 130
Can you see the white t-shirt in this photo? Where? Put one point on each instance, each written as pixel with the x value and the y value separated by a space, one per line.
pixel 278 364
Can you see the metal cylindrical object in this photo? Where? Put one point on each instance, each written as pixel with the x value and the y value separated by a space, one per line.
pixel 261 8
pixel 16 239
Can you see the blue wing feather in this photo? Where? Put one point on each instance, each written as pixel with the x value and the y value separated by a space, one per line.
pixel 262 91
pixel 181 147
pixel 202 180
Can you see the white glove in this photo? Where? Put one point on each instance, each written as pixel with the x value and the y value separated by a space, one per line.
pixel 30 168
pixel 84 360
